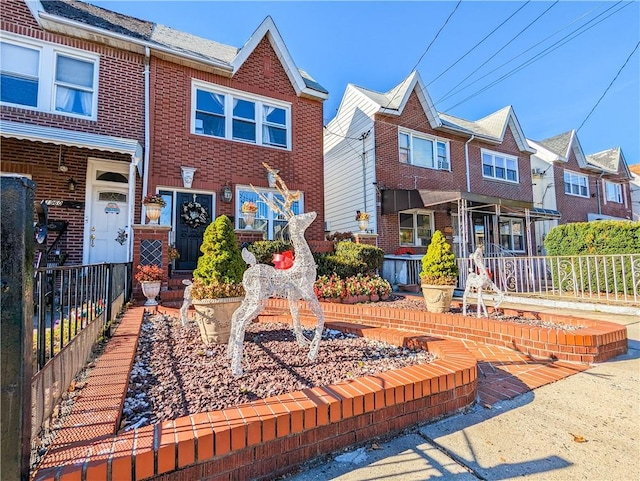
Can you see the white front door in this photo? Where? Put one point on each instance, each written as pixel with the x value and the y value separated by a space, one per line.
pixel 108 211
pixel 108 232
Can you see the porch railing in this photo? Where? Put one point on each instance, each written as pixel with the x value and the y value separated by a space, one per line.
pixel 73 307
pixel 590 278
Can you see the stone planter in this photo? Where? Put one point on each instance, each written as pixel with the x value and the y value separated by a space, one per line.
pixel 214 318
pixel 151 289
pixel 249 217
pixel 153 212
pixel 437 298
pixel 363 224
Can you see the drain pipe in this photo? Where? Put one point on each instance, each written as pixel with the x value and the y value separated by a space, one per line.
pixel 466 159
pixel 147 133
pixel 599 193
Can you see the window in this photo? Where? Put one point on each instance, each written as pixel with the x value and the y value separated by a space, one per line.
pixel 499 166
pixel 270 222
pixel 48 78
pixel 227 114
pixel 512 235
pixel 575 184
pixel 613 192
pixel 416 228
pixel 422 151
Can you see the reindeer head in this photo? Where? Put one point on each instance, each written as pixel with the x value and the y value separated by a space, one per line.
pixel 282 207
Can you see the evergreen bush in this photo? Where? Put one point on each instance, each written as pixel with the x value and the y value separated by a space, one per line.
pixel 264 250
pixel 349 259
pixel 221 262
pixel 439 263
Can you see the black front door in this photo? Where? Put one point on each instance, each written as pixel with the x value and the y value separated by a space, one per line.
pixel 188 238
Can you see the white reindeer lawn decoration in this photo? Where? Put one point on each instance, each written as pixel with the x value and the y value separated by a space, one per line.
pixel 262 281
pixel 479 281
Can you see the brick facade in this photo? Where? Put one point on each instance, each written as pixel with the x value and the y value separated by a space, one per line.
pixel 221 161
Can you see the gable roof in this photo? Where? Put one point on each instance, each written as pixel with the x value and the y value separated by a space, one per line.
pixel 610 160
pixel 562 145
pixel 394 101
pixel 491 128
pixel 77 18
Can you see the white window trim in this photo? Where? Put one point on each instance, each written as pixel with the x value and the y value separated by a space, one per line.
pixel 586 177
pixel 271 213
pixel 493 154
pixel 434 139
pixel 619 190
pixel 46 74
pixel 415 212
pixel 230 94
pixel 511 221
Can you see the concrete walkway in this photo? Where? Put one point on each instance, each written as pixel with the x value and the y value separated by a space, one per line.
pixel 584 427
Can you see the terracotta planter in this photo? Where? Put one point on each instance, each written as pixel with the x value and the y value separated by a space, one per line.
pixel 214 318
pixel 437 298
pixel 151 289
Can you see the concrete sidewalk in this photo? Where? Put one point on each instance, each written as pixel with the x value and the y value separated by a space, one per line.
pixel 583 427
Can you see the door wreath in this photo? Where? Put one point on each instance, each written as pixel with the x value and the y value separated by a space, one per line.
pixel 194 214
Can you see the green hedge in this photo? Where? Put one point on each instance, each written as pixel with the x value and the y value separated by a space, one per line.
pixel 350 259
pixel 264 250
pixel 590 241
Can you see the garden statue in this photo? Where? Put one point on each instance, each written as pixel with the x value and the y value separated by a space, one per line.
pixel 479 281
pixel 186 302
pixel 295 283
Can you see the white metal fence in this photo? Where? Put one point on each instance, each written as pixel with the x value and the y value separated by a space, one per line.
pixel 597 278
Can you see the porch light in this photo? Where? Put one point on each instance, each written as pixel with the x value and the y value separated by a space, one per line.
pixel 227 195
pixel 72 184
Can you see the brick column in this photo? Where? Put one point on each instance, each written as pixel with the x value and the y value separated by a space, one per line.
pixel 366 238
pixel 151 246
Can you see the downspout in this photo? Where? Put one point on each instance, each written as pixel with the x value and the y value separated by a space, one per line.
pixel 466 159
pixel 147 133
pixel 598 182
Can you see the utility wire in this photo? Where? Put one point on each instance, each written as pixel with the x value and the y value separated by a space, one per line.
pixel 607 89
pixel 477 44
pixel 429 46
pixel 540 55
pixel 504 46
pixel 523 52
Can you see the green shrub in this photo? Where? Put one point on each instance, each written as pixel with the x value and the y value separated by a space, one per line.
pixel 221 260
pixel 439 263
pixel 350 259
pixel 264 250
pixel 590 241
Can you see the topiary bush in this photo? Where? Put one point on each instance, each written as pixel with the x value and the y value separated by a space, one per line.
pixel 439 263
pixel 591 241
pixel 221 261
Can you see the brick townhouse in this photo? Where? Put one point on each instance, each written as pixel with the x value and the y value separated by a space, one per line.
pixel 415 170
pixel 146 109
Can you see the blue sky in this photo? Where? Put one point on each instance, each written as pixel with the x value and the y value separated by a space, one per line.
pixel 557 58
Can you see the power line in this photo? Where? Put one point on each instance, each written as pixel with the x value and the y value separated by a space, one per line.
pixel 542 54
pixel 607 89
pixel 504 46
pixel 429 46
pixel 523 52
pixel 477 44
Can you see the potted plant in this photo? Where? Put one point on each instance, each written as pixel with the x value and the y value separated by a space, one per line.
pixel 439 274
pixel 217 289
pixel 249 210
pixel 363 220
pixel 150 278
pixel 153 204
pixel 173 255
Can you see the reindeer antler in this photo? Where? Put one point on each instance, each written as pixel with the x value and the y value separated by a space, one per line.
pixel 277 205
